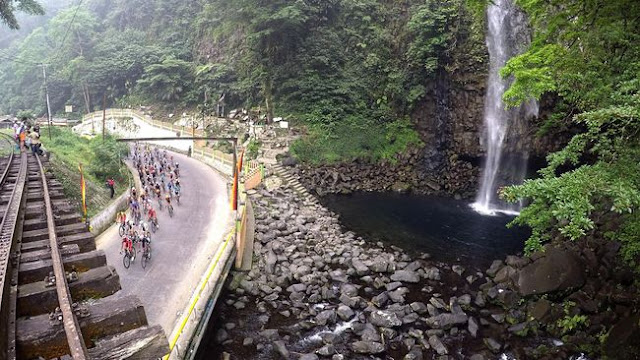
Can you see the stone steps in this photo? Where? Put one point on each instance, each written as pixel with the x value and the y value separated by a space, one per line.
pixel 295 184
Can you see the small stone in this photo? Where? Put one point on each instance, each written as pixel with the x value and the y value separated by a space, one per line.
pixel 437 345
pixel 473 327
pixel 309 357
pixel 247 341
pixel 281 348
pixel 457 269
pixel 405 276
pixel 367 347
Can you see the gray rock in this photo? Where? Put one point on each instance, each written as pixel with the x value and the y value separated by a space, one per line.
pixel 367 347
pixel 479 301
pixel 309 357
pixel 405 276
pixel 380 300
pixel 328 337
pixel 499 318
pixel 380 265
pixel 504 274
pixel 345 312
pixel 432 273
pixel 393 285
pixel 418 307
pixel 495 266
pixel 326 350
pixel 247 341
pixel 414 354
pixel 557 271
pixel 271 261
pixel 297 288
pixel 438 303
pixel 281 348
pixel 437 345
pixel 359 266
pixel 517 328
pixel 493 345
pixel 464 300
pixel 270 334
pixel 221 336
pixel 473 327
pixel 338 275
pixel 349 290
pixel 477 357
pixel 385 319
pixel 349 301
pixel 458 269
pixel 397 296
pixel 446 320
pixel 326 317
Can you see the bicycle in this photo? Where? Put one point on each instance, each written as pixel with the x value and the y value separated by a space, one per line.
pixel 129 252
pixel 154 225
pixel 122 229
pixel 146 253
pixel 159 203
pixel 170 208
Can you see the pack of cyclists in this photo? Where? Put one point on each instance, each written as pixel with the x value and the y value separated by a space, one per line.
pixel 159 176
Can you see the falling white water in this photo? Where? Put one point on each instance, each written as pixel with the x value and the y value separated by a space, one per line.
pixel 507 35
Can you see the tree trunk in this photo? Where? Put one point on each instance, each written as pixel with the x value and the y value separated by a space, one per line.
pixel 268 98
pixel 87 97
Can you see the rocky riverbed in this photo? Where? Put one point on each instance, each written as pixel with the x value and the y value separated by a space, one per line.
pixel 316 291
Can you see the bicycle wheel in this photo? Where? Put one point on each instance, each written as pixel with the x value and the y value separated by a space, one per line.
pixel 126 260
pixel 133 253
pixel 153 227
pixel 143 260
pixel 121 230
pixel 170 211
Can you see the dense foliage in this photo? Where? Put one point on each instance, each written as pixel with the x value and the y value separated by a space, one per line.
pixel 336 65
pixel 588 53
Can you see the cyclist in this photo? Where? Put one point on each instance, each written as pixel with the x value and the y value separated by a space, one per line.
pixel 168 200
pixel 152 216
pixel 176 190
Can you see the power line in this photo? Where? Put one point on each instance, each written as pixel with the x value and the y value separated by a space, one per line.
pixel 69 27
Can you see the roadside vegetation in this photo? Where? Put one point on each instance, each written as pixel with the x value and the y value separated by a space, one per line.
pixel 100 160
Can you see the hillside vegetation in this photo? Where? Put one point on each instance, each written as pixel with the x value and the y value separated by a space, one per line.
pixel 337 66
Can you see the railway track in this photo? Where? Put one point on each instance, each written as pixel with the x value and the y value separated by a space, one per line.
pixel 59 296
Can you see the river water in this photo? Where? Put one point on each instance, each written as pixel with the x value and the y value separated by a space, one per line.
pixel 450 230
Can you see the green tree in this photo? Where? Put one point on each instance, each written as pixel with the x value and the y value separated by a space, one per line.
pixel 588 54
pixel 9 7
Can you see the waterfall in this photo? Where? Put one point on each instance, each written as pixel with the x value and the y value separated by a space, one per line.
pixel 506 160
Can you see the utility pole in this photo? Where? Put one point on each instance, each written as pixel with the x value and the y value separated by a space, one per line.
pixel 46 91
pixel 104 113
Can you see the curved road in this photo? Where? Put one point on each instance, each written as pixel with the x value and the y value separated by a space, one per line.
pixel 182 247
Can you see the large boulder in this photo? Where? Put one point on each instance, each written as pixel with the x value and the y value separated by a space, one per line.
pixel 559 270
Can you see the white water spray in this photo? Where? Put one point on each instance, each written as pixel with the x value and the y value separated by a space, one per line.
pixel 507 33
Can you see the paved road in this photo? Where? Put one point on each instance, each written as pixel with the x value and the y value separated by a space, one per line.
pixel 182 247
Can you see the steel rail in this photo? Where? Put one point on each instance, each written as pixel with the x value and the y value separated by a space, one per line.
pixel 6 169
pixel 71 326
pixel 7 234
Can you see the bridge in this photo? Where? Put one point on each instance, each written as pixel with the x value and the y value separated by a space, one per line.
pixel 158 311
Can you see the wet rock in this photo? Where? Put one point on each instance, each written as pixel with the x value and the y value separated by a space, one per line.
pixel 477 357
pixel 557 271
pixel 349 290
pixel 437 345
pixel 438 303
pixel 345 312
pixel 499 318
pixel 622 342
pixel 495 266
pixel 480 301
pixel 492 345
pixel 385 319
pixel 367 347
pixel 247 341
pixel 517 328
pixel 328 337
pixel 405 276
pixel 380 300
pixel 326 350
pixel 326 317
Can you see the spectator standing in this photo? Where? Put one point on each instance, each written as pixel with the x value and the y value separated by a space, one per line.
pixel 111 185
